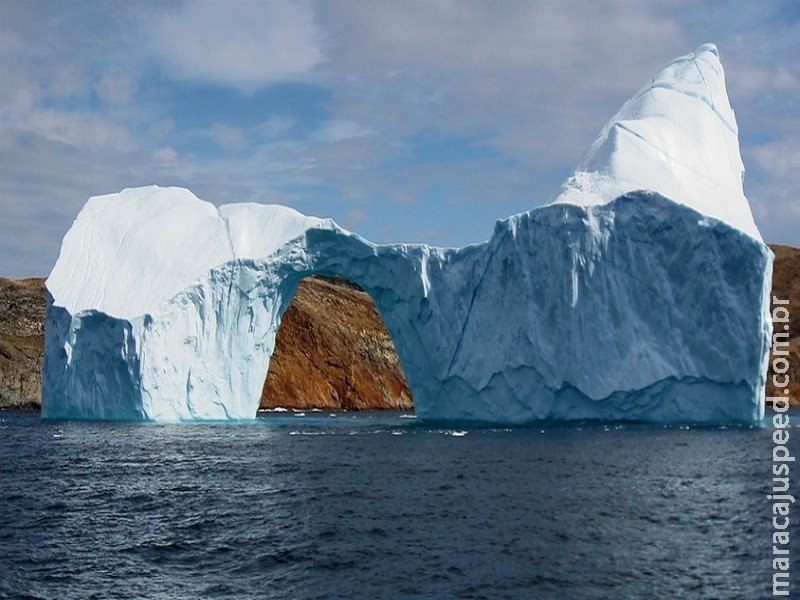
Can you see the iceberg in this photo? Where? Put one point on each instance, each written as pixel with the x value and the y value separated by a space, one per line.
pixel 640 293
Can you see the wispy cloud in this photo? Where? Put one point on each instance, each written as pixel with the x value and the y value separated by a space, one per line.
pixel 537 75
pixel 115 90
pixel 338 131
pixel 229 138
pixel 245 45
pixel 421 120
pixel 77 129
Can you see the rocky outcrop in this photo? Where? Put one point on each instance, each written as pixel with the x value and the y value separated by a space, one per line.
pixel 786 286
pixel 22 310
pixel 333 352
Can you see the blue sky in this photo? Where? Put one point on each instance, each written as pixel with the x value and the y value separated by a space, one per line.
pixel 412 120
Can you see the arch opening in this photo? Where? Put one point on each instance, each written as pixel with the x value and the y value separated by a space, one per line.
pixel 333 352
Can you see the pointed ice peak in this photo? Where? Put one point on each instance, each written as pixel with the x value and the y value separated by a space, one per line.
pixel 698 75
pixel 677 136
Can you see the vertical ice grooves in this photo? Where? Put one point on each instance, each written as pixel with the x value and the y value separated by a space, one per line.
pixel 475 291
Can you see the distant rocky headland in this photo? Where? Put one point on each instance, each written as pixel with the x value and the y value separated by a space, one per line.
pixel 22 318
pixel 332 350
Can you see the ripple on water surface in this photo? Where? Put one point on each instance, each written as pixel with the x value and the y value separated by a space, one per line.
pixel 367 506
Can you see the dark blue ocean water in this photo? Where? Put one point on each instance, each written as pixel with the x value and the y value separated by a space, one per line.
pixel 378 506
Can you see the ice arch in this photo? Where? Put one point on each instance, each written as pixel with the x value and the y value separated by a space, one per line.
pixel 641 293
pixel 202 353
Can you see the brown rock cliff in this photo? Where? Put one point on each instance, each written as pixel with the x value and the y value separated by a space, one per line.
pixel 333 352
pixel 786 286
pixel 22 314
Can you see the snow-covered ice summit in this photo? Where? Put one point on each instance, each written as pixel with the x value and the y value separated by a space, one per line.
pixel 641 292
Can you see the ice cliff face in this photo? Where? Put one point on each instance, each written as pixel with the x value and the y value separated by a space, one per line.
pixel 640 293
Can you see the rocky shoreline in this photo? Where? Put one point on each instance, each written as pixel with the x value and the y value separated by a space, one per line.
pixel 22 317
pixel 332 351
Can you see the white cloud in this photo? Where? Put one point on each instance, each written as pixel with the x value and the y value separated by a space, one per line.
pixel 356 216
pixel 540 78
pixel 339 131
pixel 228 138
pixel 162 127
pixel 165 158
pixel 245 44
pixel 115 90
pixel 67 81
pixel 276 126
pixel 78 129
pixel 772 185
pixel 780 159
pixel 533 82
pixel 21 101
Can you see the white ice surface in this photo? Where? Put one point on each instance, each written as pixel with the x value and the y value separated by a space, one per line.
pixel 641 293
pixel 677 136
pixel 127 253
